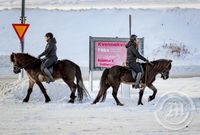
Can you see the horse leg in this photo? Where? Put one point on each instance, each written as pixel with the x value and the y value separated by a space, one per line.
pixel 72 87
pixel 73 91
pixel 102 93
pixel 105 92
pixel 29 91
pixel 140 96
pixel 154 92
pixel 47 99
pixel 114 93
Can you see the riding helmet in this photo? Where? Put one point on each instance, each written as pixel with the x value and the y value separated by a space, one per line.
pixel 133 36
pixel 49 34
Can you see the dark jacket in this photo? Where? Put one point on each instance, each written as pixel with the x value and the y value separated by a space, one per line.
pixel 50 49
pixel 133 54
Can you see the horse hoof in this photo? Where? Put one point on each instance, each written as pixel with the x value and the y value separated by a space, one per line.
pixel 150 98
pixel 47 101
pixel 25 101
pixel 71 101
pixel 93 103
pixel 140 103
pixel 120 104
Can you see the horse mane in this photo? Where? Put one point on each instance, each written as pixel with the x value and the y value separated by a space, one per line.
pixel 34 62
pixel 161 60
pixel 26 55
pixel 160 64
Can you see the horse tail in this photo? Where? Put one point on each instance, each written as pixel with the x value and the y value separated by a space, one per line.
pixel 80 86
pixel 103 86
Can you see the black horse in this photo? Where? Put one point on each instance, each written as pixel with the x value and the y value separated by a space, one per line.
pixel 64 69
pixel 118 74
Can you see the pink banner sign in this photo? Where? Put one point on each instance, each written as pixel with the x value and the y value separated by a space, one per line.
pixel 108 54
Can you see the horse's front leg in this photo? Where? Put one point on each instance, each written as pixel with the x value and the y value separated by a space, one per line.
pixel 141 95
pixel 154 92
pixel 47 99
pixel 29 91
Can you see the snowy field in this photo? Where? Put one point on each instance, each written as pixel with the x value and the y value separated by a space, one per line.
pixel 59 117
pixel 170 30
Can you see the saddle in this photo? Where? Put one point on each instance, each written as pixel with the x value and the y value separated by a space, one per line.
pixel 134 74
pixel 51 67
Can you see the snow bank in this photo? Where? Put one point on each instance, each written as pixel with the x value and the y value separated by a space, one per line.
pixel 100 4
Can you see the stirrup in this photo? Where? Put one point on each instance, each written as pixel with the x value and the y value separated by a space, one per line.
pixel 48 80
pixel 137 86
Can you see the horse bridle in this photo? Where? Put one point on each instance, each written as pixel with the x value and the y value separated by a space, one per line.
pixel 163 73
pixel 20 67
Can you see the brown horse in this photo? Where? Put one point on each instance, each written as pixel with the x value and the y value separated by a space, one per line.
pixel 118 74
pixel 64 69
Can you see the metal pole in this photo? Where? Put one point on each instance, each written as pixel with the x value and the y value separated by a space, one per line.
pixel 23 20
pixel 91 63
pixel 130 26
pixel 91 80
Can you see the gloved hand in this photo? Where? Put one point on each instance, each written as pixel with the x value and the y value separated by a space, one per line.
pixel 148 62
pixel 39 57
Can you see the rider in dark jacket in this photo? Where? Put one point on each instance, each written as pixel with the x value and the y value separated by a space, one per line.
pixel 50 55
pixel 132 55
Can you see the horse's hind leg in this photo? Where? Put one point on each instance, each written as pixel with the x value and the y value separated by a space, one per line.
pixel 105 92
pixel 114 93
pixel 29 91
pixel 73 91
pixel 102 93
pixel 154 92
pixel 47 99
pixel 72 87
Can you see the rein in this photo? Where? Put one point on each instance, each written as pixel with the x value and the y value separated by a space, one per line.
pixel 29 63
pixel 146 74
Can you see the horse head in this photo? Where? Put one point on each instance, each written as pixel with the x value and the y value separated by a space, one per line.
pixel 16 63
pixel 20 61
pixel 163 66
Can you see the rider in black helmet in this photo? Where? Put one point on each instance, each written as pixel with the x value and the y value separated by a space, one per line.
pixel 50 55
pixel 132 55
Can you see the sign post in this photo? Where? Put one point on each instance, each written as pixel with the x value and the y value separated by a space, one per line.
pixel 23 19
pixel 130 27
pixel 20 30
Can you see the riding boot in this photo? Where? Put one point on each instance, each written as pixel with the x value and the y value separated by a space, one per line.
pixel 137 82
pixel 49 76
pixel 134 76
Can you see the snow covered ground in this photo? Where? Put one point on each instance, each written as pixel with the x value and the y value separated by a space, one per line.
pixel 59 117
